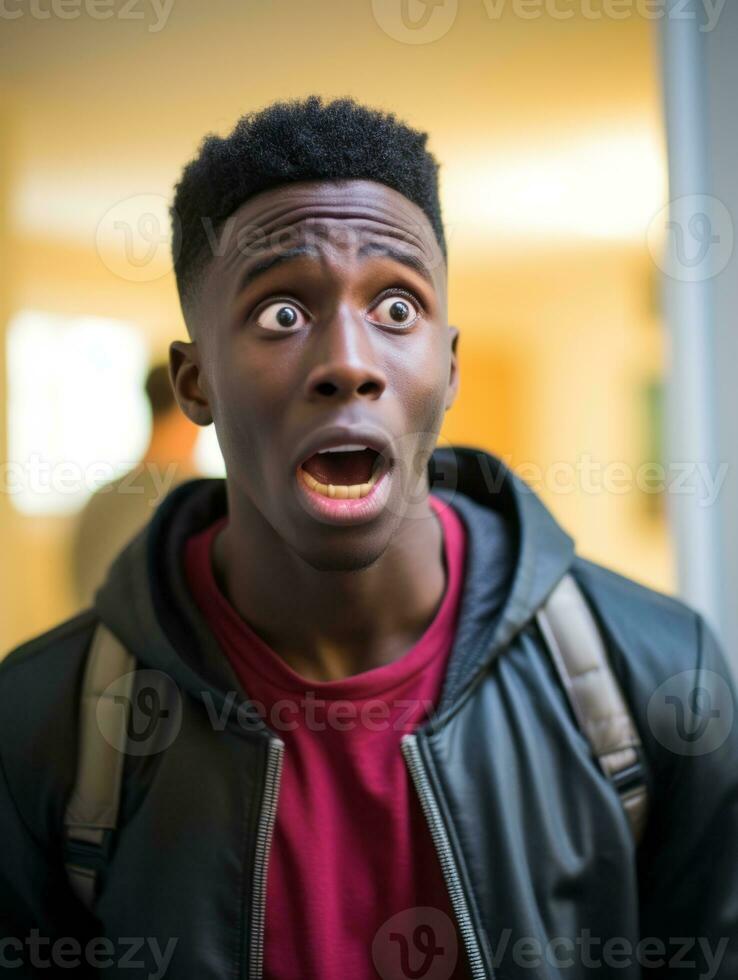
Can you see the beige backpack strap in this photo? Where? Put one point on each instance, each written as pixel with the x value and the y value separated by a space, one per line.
pixel 92 810
pixel 578 653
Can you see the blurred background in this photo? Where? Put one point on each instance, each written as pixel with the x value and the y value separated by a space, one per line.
pixel 597 339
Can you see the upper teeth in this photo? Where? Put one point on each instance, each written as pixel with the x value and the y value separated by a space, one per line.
pixel 348 448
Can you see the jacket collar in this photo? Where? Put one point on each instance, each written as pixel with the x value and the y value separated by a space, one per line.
pixel 517 553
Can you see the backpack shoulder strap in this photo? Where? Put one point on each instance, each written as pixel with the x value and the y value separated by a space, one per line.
pixel 578 652
pixel 92 809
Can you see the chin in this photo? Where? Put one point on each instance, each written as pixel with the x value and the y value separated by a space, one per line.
pixel 342 556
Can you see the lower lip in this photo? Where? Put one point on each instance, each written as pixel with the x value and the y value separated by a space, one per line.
pixel 334 511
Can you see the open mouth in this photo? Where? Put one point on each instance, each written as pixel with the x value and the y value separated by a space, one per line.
pixel 345 472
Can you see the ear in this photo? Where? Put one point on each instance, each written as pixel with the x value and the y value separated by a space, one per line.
pixel 453 377
pixel 187 381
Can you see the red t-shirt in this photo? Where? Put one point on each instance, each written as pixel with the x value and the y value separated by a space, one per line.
pixel 354 885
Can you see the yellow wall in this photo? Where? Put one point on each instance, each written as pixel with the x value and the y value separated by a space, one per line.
pixel 558 333
pixel 555 348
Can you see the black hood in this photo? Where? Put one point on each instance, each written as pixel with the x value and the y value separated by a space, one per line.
pixel 516 555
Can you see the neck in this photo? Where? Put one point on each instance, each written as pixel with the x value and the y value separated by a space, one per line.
pixel 332 624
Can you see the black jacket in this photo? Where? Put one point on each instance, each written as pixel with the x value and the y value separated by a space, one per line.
pixel 543 873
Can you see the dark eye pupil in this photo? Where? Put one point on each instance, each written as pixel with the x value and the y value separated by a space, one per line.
pixel 399 310
pixel 286 317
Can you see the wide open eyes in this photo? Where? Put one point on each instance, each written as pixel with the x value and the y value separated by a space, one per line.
pixel 282 317
pixel 395 310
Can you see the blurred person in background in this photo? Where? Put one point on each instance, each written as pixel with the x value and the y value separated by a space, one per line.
pixel 119 509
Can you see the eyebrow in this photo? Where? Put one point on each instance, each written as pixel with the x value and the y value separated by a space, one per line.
pixel 408 259
pixel 262 266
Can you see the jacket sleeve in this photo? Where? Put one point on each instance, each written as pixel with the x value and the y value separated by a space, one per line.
pixel 688 859
pixel 41 933
pixel 21 865
pixel 44 929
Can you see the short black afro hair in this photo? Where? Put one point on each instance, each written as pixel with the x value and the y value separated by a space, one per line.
pixel 296 141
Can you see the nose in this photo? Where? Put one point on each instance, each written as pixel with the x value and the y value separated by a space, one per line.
pixel 346 362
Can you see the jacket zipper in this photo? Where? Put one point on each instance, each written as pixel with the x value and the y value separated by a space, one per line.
pixel 267 816
pixel 411 752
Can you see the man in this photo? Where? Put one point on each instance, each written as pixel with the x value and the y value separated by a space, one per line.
pixel 371 767
pixel 118 510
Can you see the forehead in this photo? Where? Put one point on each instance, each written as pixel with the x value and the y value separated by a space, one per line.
pixel 331 217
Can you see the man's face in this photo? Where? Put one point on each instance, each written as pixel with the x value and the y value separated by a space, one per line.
pixel 322 322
